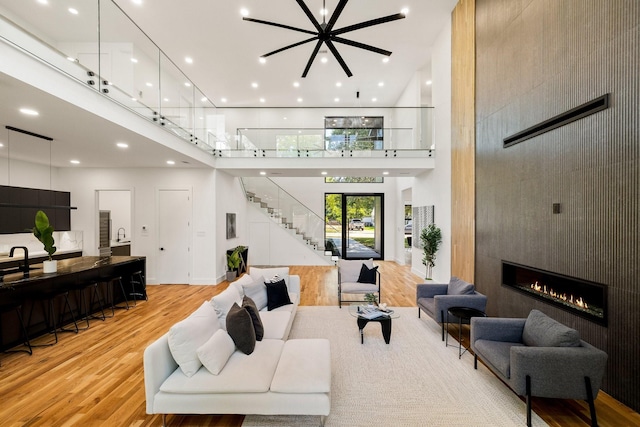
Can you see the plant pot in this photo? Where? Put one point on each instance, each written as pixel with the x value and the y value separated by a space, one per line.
pixel 49 266
pixel 231 275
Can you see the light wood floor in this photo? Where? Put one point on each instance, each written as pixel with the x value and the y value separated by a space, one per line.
pixel 95 378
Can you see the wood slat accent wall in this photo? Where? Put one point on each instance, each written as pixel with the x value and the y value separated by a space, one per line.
pixel 463 140
pixel 536 59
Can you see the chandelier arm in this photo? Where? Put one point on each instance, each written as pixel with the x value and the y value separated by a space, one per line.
pixel 307 12
pixel 338 57
pixel 335 15
pixel 361 46
pixel 370 23
pixel 311 58
pixel 275 24
pixel 290 46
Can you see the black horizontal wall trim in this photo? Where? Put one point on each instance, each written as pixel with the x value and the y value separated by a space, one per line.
pixel 584 110
pixel 17 205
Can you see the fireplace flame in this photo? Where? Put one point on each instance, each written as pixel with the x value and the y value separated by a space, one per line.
pixel 579 302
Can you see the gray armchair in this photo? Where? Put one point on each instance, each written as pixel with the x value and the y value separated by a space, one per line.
pixel 350 279
pixel 538 356
pixel 436 299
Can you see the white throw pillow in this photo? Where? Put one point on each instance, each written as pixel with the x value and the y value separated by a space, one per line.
pixel 257 291
pixel 350 269
pixel 223 302
pixel 186 336
pixel 270 273
pixel 216 351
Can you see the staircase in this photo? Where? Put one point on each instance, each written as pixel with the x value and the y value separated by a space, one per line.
pixel 288 213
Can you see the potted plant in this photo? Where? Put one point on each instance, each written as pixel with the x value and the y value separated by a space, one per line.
pixel 233 262
pixel 371 299
pixel 431 238
pixel 44 233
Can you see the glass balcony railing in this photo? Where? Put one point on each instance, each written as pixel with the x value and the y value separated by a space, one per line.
pixel 287 211
pixel 107 52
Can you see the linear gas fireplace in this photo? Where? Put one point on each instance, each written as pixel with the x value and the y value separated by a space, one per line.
pixel 580 297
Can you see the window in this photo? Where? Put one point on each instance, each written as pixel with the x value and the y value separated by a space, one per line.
pixel 354 133
pixel 354 179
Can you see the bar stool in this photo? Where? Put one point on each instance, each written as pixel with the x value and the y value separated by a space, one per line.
pixel 110 282
pixel 85 310
pixel 50 314
pixel 6 306
pixel 137 278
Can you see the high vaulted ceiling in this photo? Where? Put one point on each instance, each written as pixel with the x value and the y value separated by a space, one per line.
pixel 225 52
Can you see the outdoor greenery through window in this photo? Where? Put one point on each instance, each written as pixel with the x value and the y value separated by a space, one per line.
pixel 354 133
pixel 354 179
pixel 288 145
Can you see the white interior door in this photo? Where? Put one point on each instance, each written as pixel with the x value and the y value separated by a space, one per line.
pixel 174 236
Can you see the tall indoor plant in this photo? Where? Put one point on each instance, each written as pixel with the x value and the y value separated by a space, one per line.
pixel 233 262
pixel 431 238
pixel 44 233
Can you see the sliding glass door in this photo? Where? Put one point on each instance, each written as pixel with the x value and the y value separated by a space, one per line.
pixel 359 219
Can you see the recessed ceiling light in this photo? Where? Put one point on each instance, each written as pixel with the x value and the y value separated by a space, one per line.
pixel 284 118
pixel 71 59
pixel 385 173
pixel 75 162
pixel 1 144
pixel 299 99
pixel 122 145
pixel 262 100
pixel 262 60
pixel 380 84
pixel 296 84
pixel 385 59
pixel 324 59
pixel 73 11
pixel 188 60
pixel 223 99
pixel 134 60
pixel 136 1
pixel 134 99
pixel 338 84
pixel 404 11
pixel 336 99
pixel 203 99
pixel 171 162
pixel 374 99
pixel 187 84
pixel 244 12
pixel 43 1
pixel 323 12
pixel 323 173
pixel 29 112
pixel 166 99
pixel 149 84
pixel 263 173
pixel 254 85
pixel 428 82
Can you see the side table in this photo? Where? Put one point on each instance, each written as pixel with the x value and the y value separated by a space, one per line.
pixel 462 313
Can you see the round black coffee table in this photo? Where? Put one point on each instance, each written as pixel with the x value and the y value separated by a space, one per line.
pixel 462 313
pixel 385 321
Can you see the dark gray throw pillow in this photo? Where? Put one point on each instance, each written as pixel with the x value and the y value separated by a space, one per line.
pixel 459 287
pixel 277 294
pixel 249 305
pixel 240 329
pixel 541 330
pixel 367 275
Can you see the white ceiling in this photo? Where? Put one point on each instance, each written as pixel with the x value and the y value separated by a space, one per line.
pixel 225 51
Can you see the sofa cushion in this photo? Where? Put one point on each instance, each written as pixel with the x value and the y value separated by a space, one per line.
pixel 250 306
pixel 276 323
pixel 257 291
pixel 350 269
pixel 304 367
pixel 367 275
pixel 497 353
pixel 277 294
pixel 223 302
pixel 542 331
pixel 216 351
pixel 240 328
pixel 242 374
pixel 459 287
pixel 186 336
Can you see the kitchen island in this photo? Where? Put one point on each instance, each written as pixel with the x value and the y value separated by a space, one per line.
pixel 71 273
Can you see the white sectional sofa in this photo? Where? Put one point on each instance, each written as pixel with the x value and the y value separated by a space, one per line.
pixel 279 377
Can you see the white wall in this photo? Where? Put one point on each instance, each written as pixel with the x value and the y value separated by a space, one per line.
pixel 83 183
pixel 434 187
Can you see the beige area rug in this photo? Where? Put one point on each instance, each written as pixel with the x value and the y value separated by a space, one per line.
pixel 413 381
